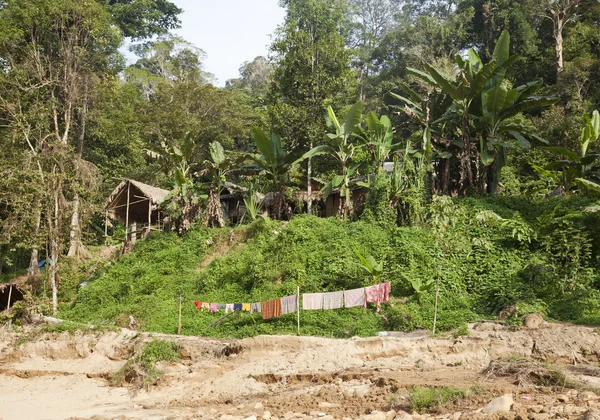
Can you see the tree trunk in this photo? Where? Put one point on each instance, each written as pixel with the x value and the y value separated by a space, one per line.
pixel 54 232
pixel 309 183
pixel 446 177
pixel 466 171
pixel 33 269
pixel 558 43
pixel 75 235
pixel 76 246
pixel 214 212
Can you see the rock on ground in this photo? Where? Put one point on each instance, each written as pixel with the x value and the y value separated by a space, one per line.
pixel 499 405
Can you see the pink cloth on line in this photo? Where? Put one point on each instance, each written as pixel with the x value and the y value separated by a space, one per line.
pixel 214 307
pixel 372 294
pixel 378 293
pixel 384 291
pixel 311 301
pixel 354 297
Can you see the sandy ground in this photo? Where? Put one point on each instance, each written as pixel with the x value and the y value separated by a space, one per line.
pixel 61 376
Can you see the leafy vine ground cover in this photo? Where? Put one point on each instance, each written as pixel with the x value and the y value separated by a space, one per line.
pixel 538 256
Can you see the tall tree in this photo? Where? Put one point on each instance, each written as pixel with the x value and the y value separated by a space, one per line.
pixel 313 72
pixel 50 49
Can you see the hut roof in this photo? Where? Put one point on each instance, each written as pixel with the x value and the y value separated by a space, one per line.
pixel 157 195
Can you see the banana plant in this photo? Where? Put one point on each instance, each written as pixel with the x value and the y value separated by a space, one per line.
pixel 577 169
pixel 341 148
pixel 430 111
pixel 183 203
pixel 378 138
pixel 217 168
pixel 482 109
pixel 275 161
pixel 369 265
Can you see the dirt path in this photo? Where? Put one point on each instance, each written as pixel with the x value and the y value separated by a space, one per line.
pixel 59 376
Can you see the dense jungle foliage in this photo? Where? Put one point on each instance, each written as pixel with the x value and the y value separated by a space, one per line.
pixel 455 145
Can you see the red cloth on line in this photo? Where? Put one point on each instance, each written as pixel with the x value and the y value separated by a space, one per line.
pixel 198 304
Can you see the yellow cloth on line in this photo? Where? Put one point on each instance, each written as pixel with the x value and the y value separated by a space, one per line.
pixel 246 306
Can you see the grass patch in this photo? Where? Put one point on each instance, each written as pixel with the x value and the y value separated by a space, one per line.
pixel 140 371
pixel 428 398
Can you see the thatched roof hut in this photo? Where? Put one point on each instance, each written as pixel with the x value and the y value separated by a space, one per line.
pixel 135 202
pixel 9 294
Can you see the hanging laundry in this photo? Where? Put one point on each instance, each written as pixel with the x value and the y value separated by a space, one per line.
pixel 237 306
pixel 372 294
pixel 354 297
pixel 221 306
pixel 245 307
pixel 312 301
pixel 289 304
pixel 384 291
pixel 333 300
pixel 198 304
pixel 205 305
pixel 228 308
pixel 271 308
pixel 255 307
pixel 214 307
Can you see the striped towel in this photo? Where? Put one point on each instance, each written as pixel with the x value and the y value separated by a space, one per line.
pixel 311 301
pixel 289 304
pixel 333 300
pixel 271 308
pixel 354 297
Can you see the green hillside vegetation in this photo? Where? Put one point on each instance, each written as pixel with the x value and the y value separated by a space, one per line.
pixel 453 146
pixel 491 264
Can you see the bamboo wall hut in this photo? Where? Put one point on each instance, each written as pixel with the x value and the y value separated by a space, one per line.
pixel 136 205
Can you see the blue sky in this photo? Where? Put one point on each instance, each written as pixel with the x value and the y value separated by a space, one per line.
pixel 229 31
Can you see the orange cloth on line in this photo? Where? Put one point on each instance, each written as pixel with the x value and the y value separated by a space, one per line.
pixel 270 309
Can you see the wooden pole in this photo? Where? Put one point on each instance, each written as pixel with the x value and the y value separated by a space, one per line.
pixel 298 307
pixel 149 214
pixel 9 296
pixel 179 322
pixel 105 227
pixel 127 214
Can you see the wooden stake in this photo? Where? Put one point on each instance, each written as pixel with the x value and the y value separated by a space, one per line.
pixel 9 296
pixel 179 323
pixel 127 214
pixel 149 215
pixel 105 227
pixel 298 307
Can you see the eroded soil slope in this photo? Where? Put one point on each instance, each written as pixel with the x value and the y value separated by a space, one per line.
pixel 59 376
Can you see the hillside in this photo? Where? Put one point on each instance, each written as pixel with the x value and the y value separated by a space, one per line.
pixel 497 257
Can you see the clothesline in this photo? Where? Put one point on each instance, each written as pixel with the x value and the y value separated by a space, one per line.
pixel 310 301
